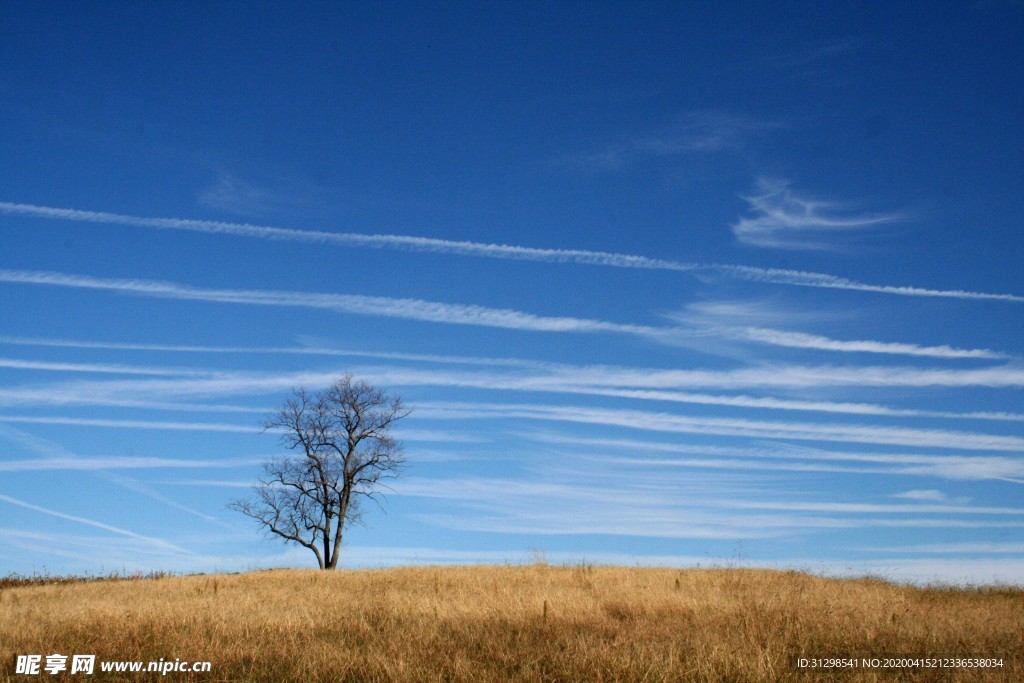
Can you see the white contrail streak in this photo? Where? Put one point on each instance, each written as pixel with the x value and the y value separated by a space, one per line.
pixel 799 278
pixel 800 340
pixel 408 309
pixel 115 462
pixel 349 239
pixel 758 429
pixel 485 250
pixel 130 424
pixel 646 384
pixel 958 467
pixel 296 350
pixel 109 368
pixel 99 525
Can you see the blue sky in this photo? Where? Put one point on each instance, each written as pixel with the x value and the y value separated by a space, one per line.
pixel 669 284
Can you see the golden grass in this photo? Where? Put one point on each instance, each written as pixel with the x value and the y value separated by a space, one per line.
pixel 511 623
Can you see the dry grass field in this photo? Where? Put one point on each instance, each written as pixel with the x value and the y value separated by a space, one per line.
pixel 512 623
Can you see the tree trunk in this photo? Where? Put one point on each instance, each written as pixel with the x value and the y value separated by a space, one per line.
pixel 329 559
pixel 342 515
pixel 319 557
pixel 333 564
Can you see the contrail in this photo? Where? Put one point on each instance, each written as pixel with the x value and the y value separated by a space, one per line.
pixel 349 239
pixel 800 340
pixel 130 424
pixel 158 542
pixel 408 309
pixel 734 427
pixel 780 276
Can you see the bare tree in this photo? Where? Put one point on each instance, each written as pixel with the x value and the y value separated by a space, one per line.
pixel 342 449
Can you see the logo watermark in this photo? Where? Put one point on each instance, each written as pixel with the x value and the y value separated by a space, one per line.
pixel 56 663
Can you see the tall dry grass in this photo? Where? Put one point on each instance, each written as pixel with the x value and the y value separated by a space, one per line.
pixel 510 623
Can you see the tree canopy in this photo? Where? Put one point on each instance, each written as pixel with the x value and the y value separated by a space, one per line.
pixel 341 451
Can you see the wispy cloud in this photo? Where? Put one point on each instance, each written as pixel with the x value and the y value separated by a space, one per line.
pixel 232 194
pixel 696 132
pixel 784 220
pixel 319 349
pixel 408 309
pixel 873 508
pixel 800 340
pixel 820 62
pixel 405 433
pixel 706 131
pixel 799 278
pixel 132 484
pixel 104 368
pixel 76 394
pixel 661 422
pixel 668 507
pixel 56 457
pixel 95 463
pixel 92 552
pixel 641 384
pixel 928 496
pixel 797 458
pixel 499 251
pixel 350 239
pixel 93 523
pixel 709 323
pixel 130 424
pixel 622 383
pixel 758 429
pixel 556 507
pixel 800 376
pixel 545 375
pixel 954 549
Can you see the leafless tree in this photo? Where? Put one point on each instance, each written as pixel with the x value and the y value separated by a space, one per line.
pixel 342 450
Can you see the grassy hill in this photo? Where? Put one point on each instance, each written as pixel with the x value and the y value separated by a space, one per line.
pixel 501 623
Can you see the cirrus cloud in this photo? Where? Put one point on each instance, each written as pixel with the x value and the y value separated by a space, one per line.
pixel 782 219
